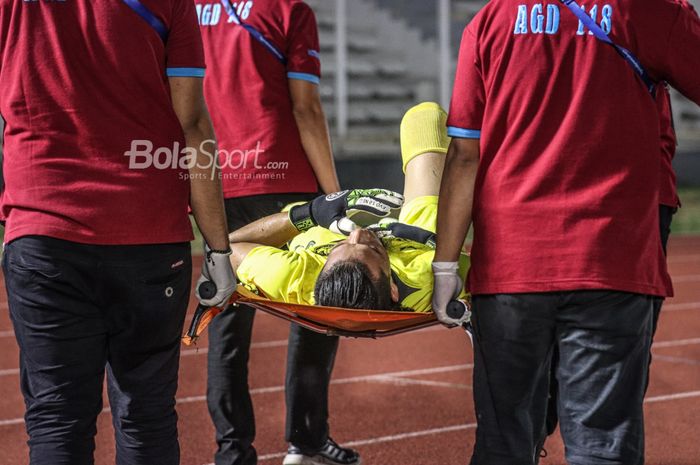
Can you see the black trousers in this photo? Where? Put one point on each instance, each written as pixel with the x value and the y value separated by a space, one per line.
pixel 80 309
pixel 665 218
pixel 603 340
pixel 310 358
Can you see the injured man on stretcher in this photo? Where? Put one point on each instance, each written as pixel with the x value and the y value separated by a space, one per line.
pixel 365 248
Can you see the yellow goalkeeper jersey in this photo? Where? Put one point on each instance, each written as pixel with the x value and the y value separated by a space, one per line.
pixel 290 275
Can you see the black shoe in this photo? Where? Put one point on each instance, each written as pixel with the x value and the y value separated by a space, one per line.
pixel 330 454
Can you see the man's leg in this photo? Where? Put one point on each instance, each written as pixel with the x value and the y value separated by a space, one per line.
pixel 62 341
pixel 148 289
pixel 604 339
pixel 228 397
pixel 424 144
pixel 665 218
pixel 513 340
pixel 310 358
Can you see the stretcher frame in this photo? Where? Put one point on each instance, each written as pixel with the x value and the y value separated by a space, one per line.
pixel 331 321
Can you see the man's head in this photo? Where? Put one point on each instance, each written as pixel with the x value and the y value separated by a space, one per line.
pixel 357 275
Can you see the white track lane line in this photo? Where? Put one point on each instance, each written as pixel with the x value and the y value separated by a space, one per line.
pixel 283 343
pixel 671 359
pixel 671 307
pixel 676 343
pixel 383 439
pixel 668 307
pixel 688 278
pixel 381 377
pixel 684 258
pixel 678 395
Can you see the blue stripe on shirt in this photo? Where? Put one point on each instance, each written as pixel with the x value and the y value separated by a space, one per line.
pixel 304 77
pixel 185 72
pixel 462 133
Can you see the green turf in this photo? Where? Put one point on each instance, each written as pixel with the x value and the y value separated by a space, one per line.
pixel 687 219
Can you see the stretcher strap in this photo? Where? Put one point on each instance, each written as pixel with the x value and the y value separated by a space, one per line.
pixel 601 35
pixel 149 17
pixel 257 35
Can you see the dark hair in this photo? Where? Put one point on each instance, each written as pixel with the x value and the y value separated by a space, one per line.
pixel 350 284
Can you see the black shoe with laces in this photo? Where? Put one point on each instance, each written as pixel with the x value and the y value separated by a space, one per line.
pixel 330 454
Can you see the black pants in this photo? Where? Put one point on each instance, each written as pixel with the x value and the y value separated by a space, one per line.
pixel 78 309
pixel 310 358
pixel 603 341
pixel 665 218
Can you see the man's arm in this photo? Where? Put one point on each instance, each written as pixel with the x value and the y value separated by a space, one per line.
pixel 206 198
pixel 274 231
pixel 313 129
pixel 456 198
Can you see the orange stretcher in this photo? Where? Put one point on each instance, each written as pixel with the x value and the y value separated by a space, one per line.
pixel 330 321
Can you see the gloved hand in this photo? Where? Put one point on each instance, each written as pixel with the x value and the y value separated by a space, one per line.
pixel 390 227
pixel 217 269
pixel 447 286
pixel 344 211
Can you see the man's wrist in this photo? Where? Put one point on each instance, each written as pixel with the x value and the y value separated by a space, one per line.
pixel 221 252
pixel 300 216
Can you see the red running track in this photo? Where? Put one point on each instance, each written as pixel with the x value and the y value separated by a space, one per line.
pixel 405 399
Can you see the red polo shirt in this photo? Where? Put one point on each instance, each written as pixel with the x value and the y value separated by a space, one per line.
pixel 247 92
pixel 567 192
pixel 79 81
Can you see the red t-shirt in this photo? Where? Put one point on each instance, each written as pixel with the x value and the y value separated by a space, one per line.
pixel 567 192
pixel 79 81
pixel 247 92
pixel 668 194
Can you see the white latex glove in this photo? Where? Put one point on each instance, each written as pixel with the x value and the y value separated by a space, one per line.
pixel 447 286
pixel 217 269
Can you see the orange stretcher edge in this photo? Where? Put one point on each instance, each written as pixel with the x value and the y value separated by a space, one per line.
pixel 331 321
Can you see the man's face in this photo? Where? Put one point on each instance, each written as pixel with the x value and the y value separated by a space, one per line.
pixel 365 247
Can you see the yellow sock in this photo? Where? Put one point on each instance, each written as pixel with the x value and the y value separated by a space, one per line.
pixel 423 129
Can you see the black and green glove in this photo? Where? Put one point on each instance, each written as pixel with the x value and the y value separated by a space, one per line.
pixel 344 211
pixel 392 228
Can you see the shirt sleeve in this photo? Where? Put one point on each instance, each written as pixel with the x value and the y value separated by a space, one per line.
pixel 683 58
pixel 303 50
pixel 281 275
pixel 468 95
pixel 185 53
pixel 666 129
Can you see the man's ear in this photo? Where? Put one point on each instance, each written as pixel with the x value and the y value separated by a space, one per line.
pixel 394 292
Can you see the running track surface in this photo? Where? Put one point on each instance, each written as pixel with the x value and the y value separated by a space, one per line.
pixel 405 399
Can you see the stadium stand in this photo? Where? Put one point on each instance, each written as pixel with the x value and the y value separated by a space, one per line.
pixel 388 42
pixel 392 63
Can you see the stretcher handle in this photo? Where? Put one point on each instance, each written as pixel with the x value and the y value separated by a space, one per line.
pixel 459 310
pixel 456 309
pixel 206 290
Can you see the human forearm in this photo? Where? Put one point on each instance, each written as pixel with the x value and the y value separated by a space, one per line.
pixel 315 139
pixel 206 198
pixel 456 198
pixel 313 130
pixel 274 230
